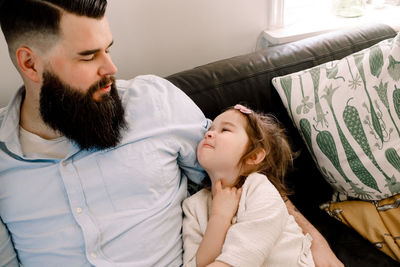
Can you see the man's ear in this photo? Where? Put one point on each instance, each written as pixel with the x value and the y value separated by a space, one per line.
pixel 256 157
pixel 27 61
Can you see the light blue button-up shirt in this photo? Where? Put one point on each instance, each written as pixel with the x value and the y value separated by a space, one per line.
pixel 114 207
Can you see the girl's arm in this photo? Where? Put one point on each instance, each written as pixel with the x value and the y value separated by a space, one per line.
pixel 219 264
pixel 322 253
pixel 261 219
pixel 224 206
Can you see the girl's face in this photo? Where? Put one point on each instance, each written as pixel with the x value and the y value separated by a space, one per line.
pixel 223 145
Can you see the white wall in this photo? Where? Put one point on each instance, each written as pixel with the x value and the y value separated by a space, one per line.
pixel 166 36
pixel 9 77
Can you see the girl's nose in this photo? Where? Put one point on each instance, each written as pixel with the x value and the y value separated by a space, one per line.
pixel 209 134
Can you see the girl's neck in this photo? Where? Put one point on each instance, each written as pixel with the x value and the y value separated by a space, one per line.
pixel 228 178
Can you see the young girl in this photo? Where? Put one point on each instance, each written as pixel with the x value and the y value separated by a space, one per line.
pixel 242 220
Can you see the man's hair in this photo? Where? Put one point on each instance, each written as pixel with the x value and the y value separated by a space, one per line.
pixel 32 20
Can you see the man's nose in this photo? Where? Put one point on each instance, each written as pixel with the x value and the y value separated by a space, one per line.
pixel 107 67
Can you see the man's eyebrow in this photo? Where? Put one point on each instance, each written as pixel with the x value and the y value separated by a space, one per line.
pixel 93 51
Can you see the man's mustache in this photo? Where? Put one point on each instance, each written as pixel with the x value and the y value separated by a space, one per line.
pixel 100 84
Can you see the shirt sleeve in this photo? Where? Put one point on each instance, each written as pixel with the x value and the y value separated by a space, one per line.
pixel 169 112
pixel 261 218
pixel 187 125
pixel 191 127
pixel 8 257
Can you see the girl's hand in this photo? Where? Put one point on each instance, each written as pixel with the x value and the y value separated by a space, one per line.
pixel 224 206
pixel 225 201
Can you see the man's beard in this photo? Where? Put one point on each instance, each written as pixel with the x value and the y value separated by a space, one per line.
pixel 90 123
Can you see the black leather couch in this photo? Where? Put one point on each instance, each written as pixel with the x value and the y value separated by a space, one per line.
pixel 247 79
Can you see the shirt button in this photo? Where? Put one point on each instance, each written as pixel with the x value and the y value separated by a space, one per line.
pixel 93 255
pixel 79 210
pixel 64 163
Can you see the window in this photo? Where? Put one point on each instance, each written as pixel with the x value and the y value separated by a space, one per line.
pixel 304 18
pixel 302 10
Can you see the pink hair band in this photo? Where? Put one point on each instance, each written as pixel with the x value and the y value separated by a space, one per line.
pixel 243 109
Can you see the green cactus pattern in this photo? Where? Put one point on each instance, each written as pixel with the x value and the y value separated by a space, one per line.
pixel 315 73
pixel 331 179
pixel 327 145
pixel 286 83
pixel 305 128
pixel 375 60
pixel 305 105
pixel 382 93
pixel 354 161
pixel 393 158
pixel 331 73
pixel 360 192
pixel 374 117
pixel 394 68
pixel 393 185
pixel 396 100
pixel 353 123
pixel 355 82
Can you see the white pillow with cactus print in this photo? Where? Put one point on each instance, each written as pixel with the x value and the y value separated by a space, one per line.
pixel 348 112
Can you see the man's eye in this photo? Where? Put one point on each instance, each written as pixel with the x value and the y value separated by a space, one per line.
pixel 87 59
pixel 225 130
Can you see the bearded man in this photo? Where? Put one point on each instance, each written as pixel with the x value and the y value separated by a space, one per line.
pixel 90 174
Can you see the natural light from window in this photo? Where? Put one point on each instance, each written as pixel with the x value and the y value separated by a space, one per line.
pixel 305 18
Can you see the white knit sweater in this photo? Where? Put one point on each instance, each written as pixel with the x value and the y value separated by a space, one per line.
pixel 262 233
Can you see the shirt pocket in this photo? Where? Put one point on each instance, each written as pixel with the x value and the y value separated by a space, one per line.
pixel 305 257
pixel 132 176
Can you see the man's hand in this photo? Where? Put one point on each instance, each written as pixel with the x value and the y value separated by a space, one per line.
pixel 322 254
pixel 225 201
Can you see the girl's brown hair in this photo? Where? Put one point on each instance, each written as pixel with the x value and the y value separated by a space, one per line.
pixel 265 132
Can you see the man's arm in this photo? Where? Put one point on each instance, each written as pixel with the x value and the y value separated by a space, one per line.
pixel 8 256
pixel 322 254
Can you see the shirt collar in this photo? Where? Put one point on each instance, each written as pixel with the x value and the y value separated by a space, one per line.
pixel 9 125
pixel 10 122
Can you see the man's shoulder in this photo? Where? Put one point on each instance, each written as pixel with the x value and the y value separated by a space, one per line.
pixel 158 98
pixel 150 87
pixel 143 82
